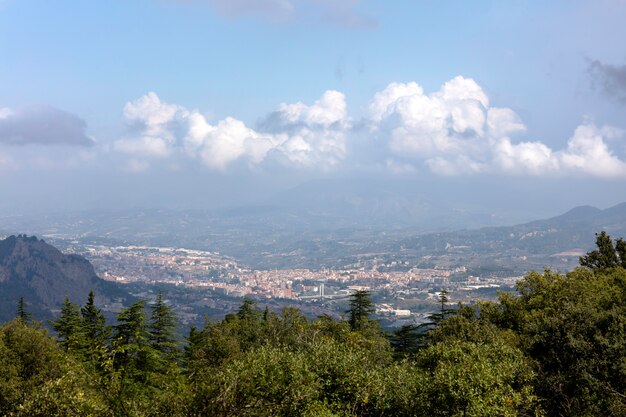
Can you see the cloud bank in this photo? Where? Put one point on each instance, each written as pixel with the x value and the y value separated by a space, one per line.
pixel 42 125
pixel 451 131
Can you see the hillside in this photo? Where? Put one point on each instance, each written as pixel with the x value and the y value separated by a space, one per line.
pixel 43 275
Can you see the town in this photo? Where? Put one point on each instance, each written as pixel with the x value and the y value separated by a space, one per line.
pixel 403 292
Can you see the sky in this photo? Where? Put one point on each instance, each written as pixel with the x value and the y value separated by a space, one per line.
pixel 209 103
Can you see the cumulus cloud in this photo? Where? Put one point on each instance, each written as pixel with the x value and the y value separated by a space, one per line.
pixel 454 131
pixel 153 125
pixel 447 121
pixel 42 125
pixel 610 79
pixel 295 134
pixel 451 131
pixel 586 153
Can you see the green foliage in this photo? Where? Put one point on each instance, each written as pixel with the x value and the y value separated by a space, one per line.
pixel 74 393
pixel 574 327
pixel 29 358
pixel 21 312
pixel 475 379
pixel 266 382
pixel 554 348
pixel 361 307
pixel 606 255
pixel 405 340
pixel 162 328
pixel 94 333
pixel 69 326
pixel 132 353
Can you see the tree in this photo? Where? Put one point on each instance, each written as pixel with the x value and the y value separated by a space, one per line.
pixel 22 313
pixel 69 325
pixel 476 379
pixel 29 357
pixel 162 330
pixel 131 343
pixel 606 255
pixel 425 330
pixel 405 340
pixel 361 306
pixel 573 328
pixel 248 310
pixel 95 332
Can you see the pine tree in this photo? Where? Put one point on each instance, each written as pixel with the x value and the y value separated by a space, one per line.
pixel 162 328
pixel 22 313
pixel 94 331
pixel 69 326
pixel 133 355
pixel 405 340
pixel 361 306
pixel 248 310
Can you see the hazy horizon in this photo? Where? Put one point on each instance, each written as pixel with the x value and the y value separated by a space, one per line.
pixel 509 109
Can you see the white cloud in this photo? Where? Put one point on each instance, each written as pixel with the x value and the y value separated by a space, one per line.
pixel 587 152
pixel 452 131
pixel 150 146
pixel 153 125
pixel 231 140
pixel 295 134
pixel 328 110
pixel 502 122
pixel 533 158
pixel 152 116
pixel 447 121
pixel 384 101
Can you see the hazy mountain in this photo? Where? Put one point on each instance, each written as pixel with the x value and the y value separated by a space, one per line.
pixel 43 275
pixel 385 205
pixel 555 242
pixel 307 227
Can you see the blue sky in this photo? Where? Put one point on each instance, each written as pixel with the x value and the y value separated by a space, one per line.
pixel 104 100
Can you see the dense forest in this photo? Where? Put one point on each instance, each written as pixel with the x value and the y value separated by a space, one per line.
pixel 557 347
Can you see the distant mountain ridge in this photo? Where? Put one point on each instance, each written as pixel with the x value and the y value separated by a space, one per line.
pixel 611 217
pixel 284 237
pixel 553 243
pixel 43 275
